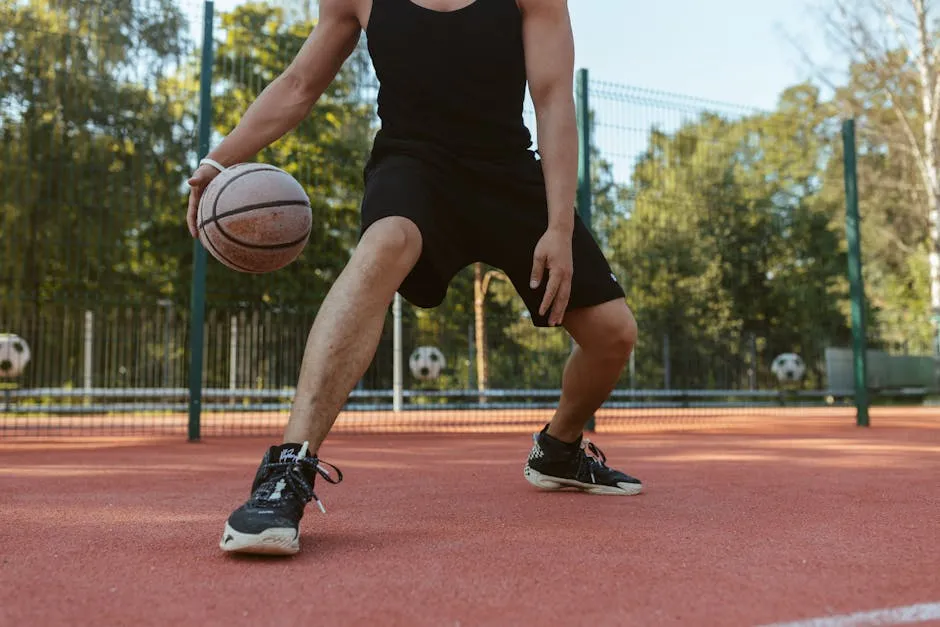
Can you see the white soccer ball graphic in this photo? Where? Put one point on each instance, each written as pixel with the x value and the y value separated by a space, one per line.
pixel 426 363
pixel 14 355
pixel 788 368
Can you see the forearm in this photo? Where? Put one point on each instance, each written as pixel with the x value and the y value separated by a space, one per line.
pixel 283 105
pixel 558 147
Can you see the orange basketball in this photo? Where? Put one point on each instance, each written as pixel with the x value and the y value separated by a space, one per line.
pixel 254 218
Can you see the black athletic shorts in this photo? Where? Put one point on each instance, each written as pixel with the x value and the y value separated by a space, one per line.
pixel 470 210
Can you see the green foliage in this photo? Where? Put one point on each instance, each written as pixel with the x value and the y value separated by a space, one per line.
pixel 92 152
pixel 726 239
pixel 894 205
pixel 89 132
pixel 98 107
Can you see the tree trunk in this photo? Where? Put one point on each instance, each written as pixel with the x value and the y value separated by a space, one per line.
pixel 479 315
pixel 926 62
pixel 865 41
pixel 932 183
pixel 933 219
pixel 935 261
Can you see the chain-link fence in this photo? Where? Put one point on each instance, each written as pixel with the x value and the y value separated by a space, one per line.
pixel 724 224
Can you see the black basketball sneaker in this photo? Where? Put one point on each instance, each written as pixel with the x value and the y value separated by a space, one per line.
pixel 555 465
pixel 269 522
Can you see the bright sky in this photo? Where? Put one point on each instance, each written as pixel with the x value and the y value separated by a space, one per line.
pixel 734 51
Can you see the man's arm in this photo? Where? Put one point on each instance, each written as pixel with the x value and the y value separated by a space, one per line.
pixel 549 51
pixel 288 99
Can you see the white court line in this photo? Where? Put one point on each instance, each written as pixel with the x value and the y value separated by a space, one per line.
pixel 891 616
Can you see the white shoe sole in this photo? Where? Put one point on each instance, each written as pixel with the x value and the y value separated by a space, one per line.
pixel 545 482
pixel 277 541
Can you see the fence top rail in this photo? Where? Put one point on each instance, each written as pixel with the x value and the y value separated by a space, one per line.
pixel 182 393
pixel 641 95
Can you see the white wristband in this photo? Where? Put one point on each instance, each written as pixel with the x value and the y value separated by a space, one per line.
pixel 215 164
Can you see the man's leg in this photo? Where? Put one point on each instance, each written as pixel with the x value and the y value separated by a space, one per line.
pixel 346 333
pixel 605 335
pixel 341 344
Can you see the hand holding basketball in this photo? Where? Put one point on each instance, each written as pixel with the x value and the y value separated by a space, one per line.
pixel 198 183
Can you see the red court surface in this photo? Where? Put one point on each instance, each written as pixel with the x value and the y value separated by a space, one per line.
pixel 738 526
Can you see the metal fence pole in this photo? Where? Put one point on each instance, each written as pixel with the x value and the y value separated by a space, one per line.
pixel 584 166
pixel 88 355
pixel 667 363
pixel 397 357
pixel 584 160
pixel 856 284
pixel 197 311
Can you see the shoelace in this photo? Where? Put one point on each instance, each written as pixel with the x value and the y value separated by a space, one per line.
pixel 596 457
pixel 297 480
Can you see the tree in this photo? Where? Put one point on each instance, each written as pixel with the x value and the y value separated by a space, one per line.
pixel 98 109
pixel 894 90
pixel 90 132
pixel 300 10
pixel 86 116
pixel 481 284
pixel 727 238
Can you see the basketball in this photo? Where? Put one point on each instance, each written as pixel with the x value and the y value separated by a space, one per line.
pixel 254 218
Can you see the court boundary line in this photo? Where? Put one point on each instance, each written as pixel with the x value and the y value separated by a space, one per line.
pixel 903 615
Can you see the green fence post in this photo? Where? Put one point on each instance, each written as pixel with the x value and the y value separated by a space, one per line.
pixel 856 284
pixel 584 154
pixel 936 340
pixel 197 306
pixel 584 165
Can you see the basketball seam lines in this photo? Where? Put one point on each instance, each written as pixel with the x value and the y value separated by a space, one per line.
pixel 215 205
pixel 261 246
pixel 227 260
pixel 260 205
pixel 215 218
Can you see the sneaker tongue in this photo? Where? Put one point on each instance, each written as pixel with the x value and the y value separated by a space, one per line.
pixel 285 453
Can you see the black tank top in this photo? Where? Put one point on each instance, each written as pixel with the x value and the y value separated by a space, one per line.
pixel 453 79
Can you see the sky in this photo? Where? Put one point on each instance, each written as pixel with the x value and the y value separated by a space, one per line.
pixel 734 51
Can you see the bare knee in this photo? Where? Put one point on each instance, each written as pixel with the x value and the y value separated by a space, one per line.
pixel 623 335
pixel 608 331
pixel 392 242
